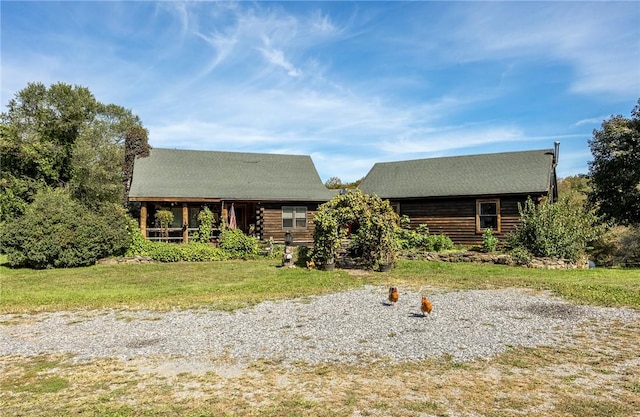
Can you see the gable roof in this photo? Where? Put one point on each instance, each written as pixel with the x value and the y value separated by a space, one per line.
pixel 174 173
pixel 473 175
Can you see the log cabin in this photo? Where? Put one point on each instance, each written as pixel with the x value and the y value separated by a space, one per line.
pixel 270 194
pixel 462 196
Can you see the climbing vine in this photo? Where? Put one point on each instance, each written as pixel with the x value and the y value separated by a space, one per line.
pixel 368 220
pixel 206 219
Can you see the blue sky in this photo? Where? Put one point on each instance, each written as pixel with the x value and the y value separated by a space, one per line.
pixel 349 83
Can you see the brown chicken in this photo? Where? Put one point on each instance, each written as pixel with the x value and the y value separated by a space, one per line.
pixel 426 306
pixel 393 295
pixel 310 264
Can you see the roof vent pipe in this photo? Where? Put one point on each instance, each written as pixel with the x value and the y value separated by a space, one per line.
pixel 556 153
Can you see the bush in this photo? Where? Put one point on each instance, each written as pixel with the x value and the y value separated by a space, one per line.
pixel 420 239
pixel 440 242
pixel 408 238
pixel 558 230
pixel 238 245
pixel 176 252
pixel 57 231
pixel 489 241
pixel 521 256
pixel 303 255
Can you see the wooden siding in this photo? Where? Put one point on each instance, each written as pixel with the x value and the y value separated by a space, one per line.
pixel 272 223
pixel 456 217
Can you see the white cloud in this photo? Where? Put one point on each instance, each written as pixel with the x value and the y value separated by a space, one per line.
pixel 590 37
pixel 276 57
pixel 590 121
pixel 439 139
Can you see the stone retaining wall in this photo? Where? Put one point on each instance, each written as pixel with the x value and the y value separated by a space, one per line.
pixel 498 259
pixel 125 260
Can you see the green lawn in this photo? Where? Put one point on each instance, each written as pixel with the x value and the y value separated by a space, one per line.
pixel 596 375
pixel 233 284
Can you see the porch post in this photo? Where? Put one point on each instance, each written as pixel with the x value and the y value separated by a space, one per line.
pixel 143 219
pixel 185 223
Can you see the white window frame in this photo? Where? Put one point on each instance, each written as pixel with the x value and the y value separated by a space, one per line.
pixel 480 215
pixel 296 214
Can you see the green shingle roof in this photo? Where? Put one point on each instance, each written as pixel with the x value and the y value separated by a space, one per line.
pixel 172 173
pixel 473 175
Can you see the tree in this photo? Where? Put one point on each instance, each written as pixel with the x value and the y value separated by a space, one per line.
pixel 615 170
pixel 62 136
pixel 333 183
pixel 136 143
pixel 575 188
pixel 63 179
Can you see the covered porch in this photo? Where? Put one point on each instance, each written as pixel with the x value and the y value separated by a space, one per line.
pixel 185 218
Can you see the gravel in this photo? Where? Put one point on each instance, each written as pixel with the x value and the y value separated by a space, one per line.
pixel 348 327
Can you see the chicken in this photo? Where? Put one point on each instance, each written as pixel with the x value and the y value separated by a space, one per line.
pixel 426 306
pixel 310 264
pixel 393 295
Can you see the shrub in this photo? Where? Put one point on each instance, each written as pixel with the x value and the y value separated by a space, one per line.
pixel 238 245
pixel 558 230
pixel 303 255
pixel 489 241
pixel 57 231
pixel 138 244
pixel 173 252
pixel 417 238
pixel 440 242
pixel 520 256
pixel 420 239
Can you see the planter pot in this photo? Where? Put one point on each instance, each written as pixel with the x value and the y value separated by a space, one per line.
pixel 329 267
pixel 384 267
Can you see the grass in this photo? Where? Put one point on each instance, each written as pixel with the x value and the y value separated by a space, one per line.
pixel 234 284
pixel 222 285
pixel 597 374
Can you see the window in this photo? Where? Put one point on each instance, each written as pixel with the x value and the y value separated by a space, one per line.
pixel 487 215
pixel 177 217
pixel 294 217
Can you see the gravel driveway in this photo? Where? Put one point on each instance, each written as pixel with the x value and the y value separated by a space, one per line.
pixel 351 326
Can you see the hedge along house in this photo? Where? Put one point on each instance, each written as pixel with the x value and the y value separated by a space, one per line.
pixel 270 194
pixel 462 196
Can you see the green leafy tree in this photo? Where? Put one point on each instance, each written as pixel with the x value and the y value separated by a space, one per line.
pixel 333 183
pixel 576 188
pixel 336 183
pixel 615 169
pixel 62 136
